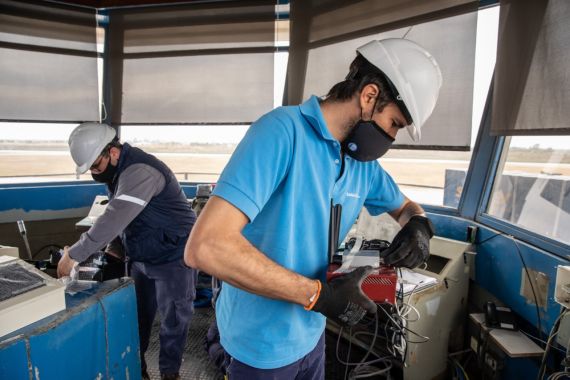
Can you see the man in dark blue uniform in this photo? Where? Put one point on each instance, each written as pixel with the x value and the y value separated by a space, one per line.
pixel 148 218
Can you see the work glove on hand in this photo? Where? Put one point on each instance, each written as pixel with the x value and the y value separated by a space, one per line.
pixel 410 247
pixel 342 299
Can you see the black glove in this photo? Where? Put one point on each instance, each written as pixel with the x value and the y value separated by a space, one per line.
pixel 410 247
pixel 342 299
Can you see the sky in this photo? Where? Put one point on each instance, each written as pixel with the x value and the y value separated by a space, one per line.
pixel 230 134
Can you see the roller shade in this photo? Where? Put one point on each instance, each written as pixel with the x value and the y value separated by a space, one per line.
pixel 333 18
pixel 197 63
pixel 198 89
pixel 450 39
pixel 48 62
pixel 532 75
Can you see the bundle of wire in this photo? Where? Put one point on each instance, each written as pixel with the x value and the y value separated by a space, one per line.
pixel 549 343
pixel 364 368
pixel 396 335
pixel 559 376
pixel 459 372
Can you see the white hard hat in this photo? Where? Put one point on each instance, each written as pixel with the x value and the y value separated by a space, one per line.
pixel 86 143
pixel 414 73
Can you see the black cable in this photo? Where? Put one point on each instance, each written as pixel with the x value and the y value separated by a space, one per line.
pixel 482 350
pixel 402 336
pixel 539 320
pixel 400 296
pixel 531 288
pixel 355 370
pixel 408 31
pixel 44 247
pixel 469 356
pixel 348 353
pixel 540 340
pixel 363 369
pixel 553 332
pixel 489 238
pixel 373 340
pixel 370 349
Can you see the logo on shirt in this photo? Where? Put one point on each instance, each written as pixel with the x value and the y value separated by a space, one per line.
pixel 353 195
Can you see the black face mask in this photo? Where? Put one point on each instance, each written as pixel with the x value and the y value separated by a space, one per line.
pixel 107 175
pixel 367 141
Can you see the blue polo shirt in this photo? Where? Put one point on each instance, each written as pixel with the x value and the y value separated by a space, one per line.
pixel 283 176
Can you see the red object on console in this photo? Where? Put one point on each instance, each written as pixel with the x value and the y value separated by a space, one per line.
pixel 380 286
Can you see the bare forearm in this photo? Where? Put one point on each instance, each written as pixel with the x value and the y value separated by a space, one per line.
pixel 408 209
pixel 234 260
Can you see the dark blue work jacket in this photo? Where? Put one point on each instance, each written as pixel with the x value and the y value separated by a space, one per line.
pixel 159 233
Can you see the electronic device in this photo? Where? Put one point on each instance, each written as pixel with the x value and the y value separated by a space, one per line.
pixel 438 296
pixel 380 286
pixel 101 267
pixel 499 317
pixel 26 294
pixel 98 267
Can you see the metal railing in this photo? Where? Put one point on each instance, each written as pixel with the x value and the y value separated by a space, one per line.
pixel 185 174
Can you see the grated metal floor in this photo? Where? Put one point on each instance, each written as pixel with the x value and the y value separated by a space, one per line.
pixel 196 364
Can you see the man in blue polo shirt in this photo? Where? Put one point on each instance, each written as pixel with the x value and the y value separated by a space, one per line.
pixel 264 232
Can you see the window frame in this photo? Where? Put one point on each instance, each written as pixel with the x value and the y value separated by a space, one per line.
pixel 479 185
pixel 478 188
pixel 554 246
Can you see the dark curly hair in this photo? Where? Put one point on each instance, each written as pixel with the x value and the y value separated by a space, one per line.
pixel 361 74
pixel 113 144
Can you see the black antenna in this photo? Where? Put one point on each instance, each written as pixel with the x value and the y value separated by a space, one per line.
pixel 334 229
pixel 331 249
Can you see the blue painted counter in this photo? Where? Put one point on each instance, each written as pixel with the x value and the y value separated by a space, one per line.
pixel 55 200
pixel 96 337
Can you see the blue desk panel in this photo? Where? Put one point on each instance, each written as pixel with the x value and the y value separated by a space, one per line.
pixel 96 337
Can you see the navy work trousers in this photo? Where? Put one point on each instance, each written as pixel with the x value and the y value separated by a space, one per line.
pixel 309 367
pixel 170 288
